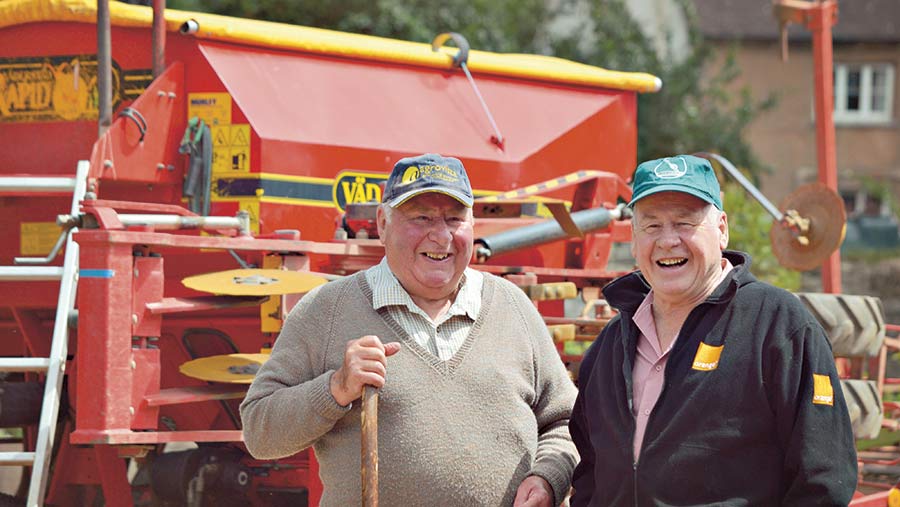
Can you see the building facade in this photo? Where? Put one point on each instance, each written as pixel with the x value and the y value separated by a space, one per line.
pixel 866 48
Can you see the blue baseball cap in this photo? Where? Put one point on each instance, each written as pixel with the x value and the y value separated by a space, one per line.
pixel 427 173
pixel 681 173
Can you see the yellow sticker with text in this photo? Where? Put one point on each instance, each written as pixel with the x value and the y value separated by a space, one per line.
pixel 37 238
pixel 707 358
pixel 823 392
pixel 213 108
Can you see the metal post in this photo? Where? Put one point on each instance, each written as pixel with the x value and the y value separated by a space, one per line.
pixel 104 69
pixel 159 37
pixel 822 17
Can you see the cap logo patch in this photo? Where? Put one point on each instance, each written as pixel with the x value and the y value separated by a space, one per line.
pixel 438 172
pixel 707 358
pixel 668 168
pixel 823 392
pixel 434 172
pixel 411 174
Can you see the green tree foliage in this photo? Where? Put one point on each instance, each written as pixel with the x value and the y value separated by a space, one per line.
pixel 493 25
pixel 695 110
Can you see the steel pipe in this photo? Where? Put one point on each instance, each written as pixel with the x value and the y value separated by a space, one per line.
pixel 544 232
pixel 159 37
pixel 36 184
pixel 744 182
pixel 182 222
pixel 30 273
pixel 104 68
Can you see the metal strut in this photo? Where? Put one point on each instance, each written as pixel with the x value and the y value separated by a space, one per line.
pixel 461 60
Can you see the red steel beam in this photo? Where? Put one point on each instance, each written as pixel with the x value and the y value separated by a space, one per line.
pixel 822 16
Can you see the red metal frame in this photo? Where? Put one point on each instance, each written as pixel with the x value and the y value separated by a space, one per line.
pixel 818 17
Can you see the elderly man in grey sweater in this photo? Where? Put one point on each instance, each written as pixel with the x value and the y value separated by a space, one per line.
pixel 475 401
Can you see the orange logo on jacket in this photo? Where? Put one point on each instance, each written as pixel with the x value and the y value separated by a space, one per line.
pixel 823 391
pixel 707 358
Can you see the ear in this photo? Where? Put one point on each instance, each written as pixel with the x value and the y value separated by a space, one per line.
pixel 631 243
pixel 723 229
pixel 381 222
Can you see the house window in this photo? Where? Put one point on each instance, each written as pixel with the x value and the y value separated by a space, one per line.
pixel 863 93
pixel 859 203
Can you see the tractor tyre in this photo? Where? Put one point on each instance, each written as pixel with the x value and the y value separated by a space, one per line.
pixel 854 324
pixel 865 407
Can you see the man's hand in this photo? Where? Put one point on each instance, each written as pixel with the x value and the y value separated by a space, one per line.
pixel 534 492
pixel 365 363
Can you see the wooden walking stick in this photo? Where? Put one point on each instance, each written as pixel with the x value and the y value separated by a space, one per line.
pixel 369 431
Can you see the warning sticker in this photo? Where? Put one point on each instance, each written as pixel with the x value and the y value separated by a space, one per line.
pixel 240 135
pixel 37 238
pixel 231 148
pixel 220 136
pixel 213 108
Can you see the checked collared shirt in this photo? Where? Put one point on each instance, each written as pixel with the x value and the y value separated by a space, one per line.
pixel 442 338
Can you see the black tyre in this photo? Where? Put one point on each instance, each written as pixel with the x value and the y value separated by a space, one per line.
pixel 854 324
pixel 865 407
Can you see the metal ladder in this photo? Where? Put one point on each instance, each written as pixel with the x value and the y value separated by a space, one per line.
pixel 54 365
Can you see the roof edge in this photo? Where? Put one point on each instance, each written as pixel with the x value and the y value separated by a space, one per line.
pixel 329 42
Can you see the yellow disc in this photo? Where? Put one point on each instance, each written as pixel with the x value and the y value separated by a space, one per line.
pixel 229 368
pixel 254 282
pixel 894 498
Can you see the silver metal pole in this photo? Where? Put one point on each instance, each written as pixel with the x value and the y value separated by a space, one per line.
pixel 104 69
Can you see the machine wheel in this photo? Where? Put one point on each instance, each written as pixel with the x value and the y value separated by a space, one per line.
pixel 864 406
pixel 854 324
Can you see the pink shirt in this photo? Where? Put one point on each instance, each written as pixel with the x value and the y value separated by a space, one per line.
pixel 650 365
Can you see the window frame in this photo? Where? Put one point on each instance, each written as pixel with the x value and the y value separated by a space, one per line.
pixel 864 115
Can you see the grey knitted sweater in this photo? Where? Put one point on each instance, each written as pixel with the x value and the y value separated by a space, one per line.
pixel 463 432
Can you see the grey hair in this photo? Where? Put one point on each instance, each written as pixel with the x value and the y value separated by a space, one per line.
pixel 386 210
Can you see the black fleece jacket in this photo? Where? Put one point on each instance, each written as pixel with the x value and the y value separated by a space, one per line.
pixel 752 426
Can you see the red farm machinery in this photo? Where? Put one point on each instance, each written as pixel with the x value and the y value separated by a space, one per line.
pixel 165 208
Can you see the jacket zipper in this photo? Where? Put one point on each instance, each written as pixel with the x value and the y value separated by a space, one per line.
pixel 634 465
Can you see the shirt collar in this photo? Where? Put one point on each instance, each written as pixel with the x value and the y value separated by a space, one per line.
pixel 387 291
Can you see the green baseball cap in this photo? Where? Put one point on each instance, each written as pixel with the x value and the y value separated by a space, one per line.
pixel 681 173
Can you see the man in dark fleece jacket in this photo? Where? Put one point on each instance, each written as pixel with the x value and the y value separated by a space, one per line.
pixel 710 387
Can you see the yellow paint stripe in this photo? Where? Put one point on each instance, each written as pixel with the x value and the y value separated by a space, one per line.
pixel 299 202
pixel 328 42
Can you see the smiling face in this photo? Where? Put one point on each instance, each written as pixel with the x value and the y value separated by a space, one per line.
pixel 428 242
pixel 677 242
